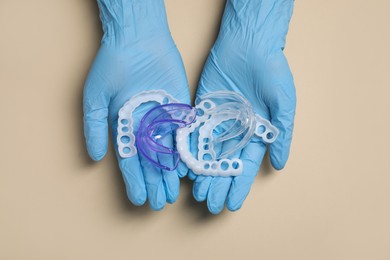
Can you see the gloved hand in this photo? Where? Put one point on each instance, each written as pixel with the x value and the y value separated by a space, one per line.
pixel 248 58
pixel 137 53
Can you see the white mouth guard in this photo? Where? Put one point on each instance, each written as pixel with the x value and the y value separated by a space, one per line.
pixel 126 137
pixel 233 116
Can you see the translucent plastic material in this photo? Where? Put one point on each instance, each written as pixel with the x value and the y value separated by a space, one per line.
pixel 154 138
pixel 232 114
pixel 126 137
pixel 222 116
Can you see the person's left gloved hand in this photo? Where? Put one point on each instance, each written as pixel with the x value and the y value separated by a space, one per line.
pixel 137 53
pixel 248 58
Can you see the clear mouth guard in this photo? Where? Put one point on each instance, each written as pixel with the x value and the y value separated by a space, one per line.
pixel 222 116
pixel 218 117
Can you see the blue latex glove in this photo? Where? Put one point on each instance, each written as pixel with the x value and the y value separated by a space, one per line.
pixel 137 53
pixel 248 58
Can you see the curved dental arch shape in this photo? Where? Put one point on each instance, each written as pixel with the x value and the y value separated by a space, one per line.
pixel 215 109
pixel 126 138
pixel 158 123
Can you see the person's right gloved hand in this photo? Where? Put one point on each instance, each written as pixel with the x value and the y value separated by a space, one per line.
pixel 137 53
pixel 248 59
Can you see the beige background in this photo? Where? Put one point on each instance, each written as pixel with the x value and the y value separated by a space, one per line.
pixel 331 202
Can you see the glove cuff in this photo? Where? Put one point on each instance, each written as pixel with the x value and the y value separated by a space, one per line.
pixel 257 14
pixel 129 20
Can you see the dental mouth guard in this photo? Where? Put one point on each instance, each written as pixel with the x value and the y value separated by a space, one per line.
pixel 222 116
pixel 159 124
pixel 154 140
pixel 218 117
pixel 126 137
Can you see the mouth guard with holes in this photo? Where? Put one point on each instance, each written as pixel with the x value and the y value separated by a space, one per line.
pixel 154 137
pixel 126 138
pixel 222 116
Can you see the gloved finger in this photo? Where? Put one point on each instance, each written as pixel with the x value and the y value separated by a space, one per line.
pixel 182 169
pixel 202 183
pixel 170 178
pixel 171 185
pixel 220 186
pixel 217 194
pixel 95 106
pixel 251 156
pixel 191 175
pixel 131 171
pixel 154 184
pixel 201 187
pixel 282 102
pixel 134 180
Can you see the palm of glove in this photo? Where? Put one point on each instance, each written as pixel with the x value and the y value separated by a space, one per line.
pixel 119 72
pixel 252 64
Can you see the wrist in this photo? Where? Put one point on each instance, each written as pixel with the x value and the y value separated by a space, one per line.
pixel 132 20
pixel 254 14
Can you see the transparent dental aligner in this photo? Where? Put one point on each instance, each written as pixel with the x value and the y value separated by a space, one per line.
pixel 126 137
pixel 222 116
pixel 154 138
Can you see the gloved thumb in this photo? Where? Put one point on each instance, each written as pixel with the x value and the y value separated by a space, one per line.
pixel 96 103
pixel 281 100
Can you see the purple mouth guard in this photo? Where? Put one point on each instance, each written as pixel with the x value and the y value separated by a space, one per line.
pixel 155 138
